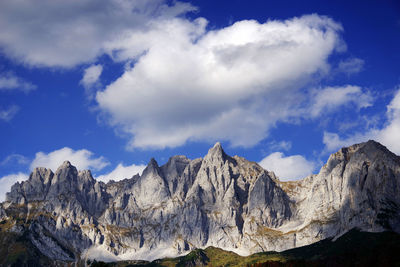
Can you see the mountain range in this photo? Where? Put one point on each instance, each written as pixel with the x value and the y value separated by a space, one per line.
pixel 216 201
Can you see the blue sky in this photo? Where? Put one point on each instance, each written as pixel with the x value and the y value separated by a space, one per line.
pixel 110 84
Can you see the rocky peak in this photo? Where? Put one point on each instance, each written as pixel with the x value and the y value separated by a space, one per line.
pixel 375 145
pixel 153 162
pixel 65 171
pixel 66 167
pixel 65 164
pixel 41 175
pixel 151 186
pixel 373 150
pixel 85 174
pixel 34 189
pixel 151 168
pixel 85 180
pixel 216 150
pixel 367 151
pixel 176 164
pixel 173 170
pixel 216 154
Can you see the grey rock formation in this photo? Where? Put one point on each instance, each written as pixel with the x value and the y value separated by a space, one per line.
pixel 221 201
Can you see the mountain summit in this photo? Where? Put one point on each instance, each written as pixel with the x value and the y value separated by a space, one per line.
pixel 221 201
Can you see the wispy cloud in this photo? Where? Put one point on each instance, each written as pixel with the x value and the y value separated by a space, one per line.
pixel 10 82
pixel 15 159
pixel 282 145
pixel 8 113
pixel 325 100
pixel 351 66
pixel 387 135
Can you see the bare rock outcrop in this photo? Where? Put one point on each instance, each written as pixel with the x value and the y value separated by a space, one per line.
pixel 218 200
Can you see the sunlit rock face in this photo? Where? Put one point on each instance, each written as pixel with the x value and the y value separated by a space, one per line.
pixel 218 200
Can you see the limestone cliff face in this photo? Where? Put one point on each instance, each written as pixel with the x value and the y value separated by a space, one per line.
pixel 221 201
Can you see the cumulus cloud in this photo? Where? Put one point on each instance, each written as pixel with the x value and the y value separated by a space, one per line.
pixel 229 84
pixel 288 168
pixel 121 172
pixel 182 81
pixel 8 113
pixel 330 98
pixel 67 33
pixel 10 82
pixel 388 135
pixel 7 181
pixel 81 159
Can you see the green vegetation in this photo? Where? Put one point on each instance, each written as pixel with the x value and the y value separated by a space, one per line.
pixel 17 250
pixel 355 248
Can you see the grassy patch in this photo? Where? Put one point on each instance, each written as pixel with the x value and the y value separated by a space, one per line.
pixel 352 249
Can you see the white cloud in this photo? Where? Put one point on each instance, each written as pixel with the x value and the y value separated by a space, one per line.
pixel 230 84
pixel 288 168
pixel 9 113
pixel 283 145
pixel 91 79
pixel 330 98
pixel 121 172
pixel 10 82
pixel 351 65
pixel 66 33
pixel 9 180
pixel 185 82
pixel 91 75
pixel 81 159
pixel 333 142
pixel 388 135
pixel 15 159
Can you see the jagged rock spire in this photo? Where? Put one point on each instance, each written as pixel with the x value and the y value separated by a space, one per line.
pixel 152 167
pixel 216 153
